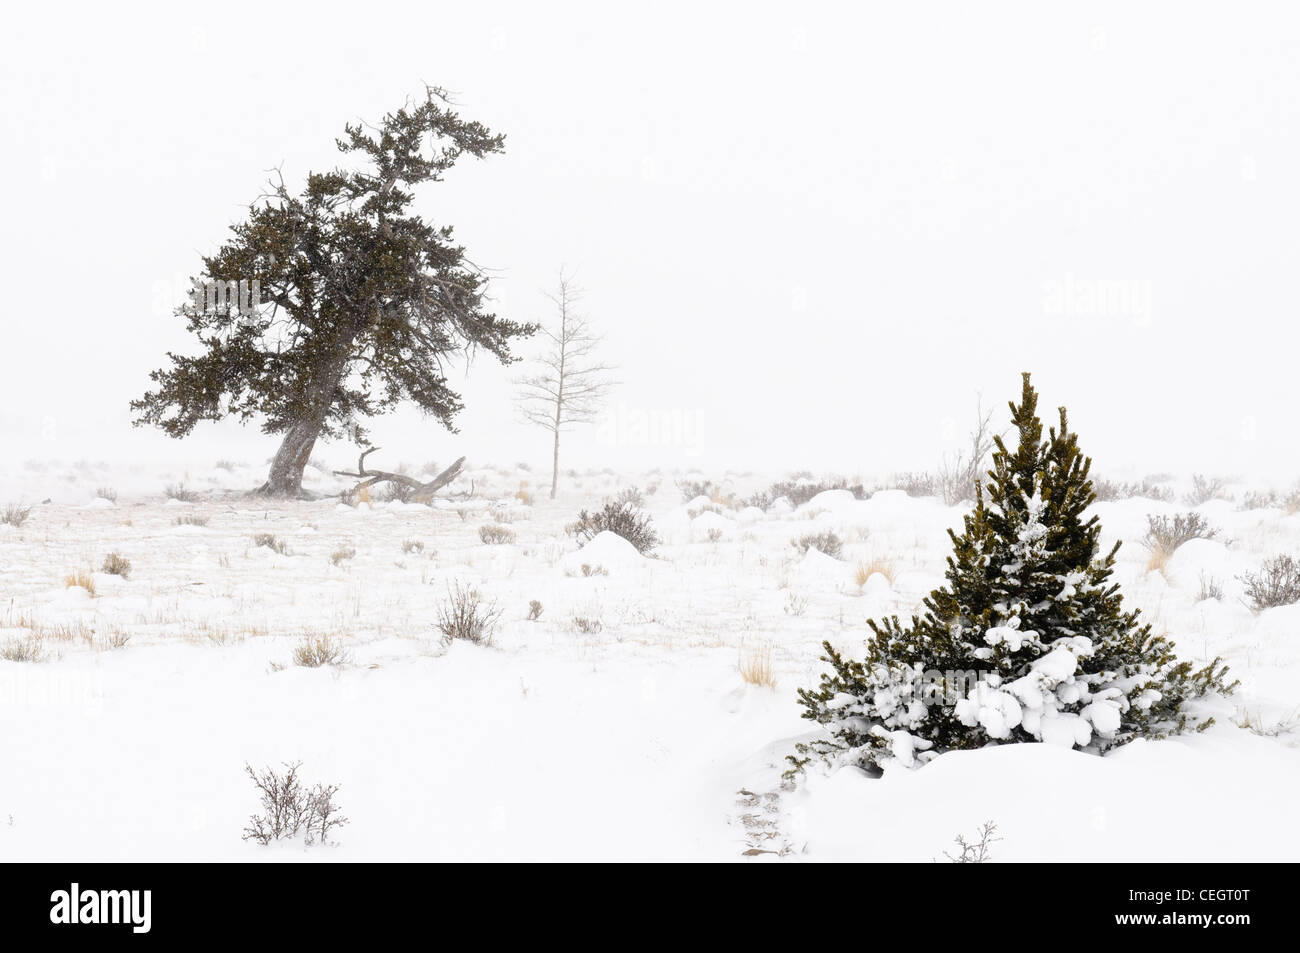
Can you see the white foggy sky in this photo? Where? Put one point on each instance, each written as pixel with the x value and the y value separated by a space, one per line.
pixel 811 233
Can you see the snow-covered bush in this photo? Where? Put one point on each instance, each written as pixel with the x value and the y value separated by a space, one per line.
pixel 270 541
pixel 916 484
pixel 801 491
pixel 116 565
pixel 29 649
pixel 1027 641
pixel 1206 488
pixel 826 542
pixel 1108 491
pixel 467 617
pixel 315 651
pixel 1276 584
pixel 289 809
pixel 15 515
pixel 622 519
pixel 493 534
pixel 1165 534
pixel 180 493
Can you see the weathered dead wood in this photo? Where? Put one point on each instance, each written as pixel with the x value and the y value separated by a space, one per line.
pixel 419 492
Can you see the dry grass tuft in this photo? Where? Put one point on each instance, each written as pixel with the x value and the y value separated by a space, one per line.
pixel 868 569
pixel 83 579
pixel 756 665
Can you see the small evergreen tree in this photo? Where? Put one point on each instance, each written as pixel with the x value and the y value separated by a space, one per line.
pixel 1028 641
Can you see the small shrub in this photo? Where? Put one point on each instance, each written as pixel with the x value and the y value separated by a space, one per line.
pixel 342 554
pixel 1108 491
pixel 270 542
pixel 15 515
pixel 1205 489
pixel 1259 500
pixel 315 651
pixel 494 534
pixel 587 625
pixel 467 617
pixel 798 492
pixel 412 546
pixel 690 489
pixel 395 492
pixel 178 491
pixel 1276 584
pixel 1210 589
pixel 288 808
pixel 1291 503
pixel 30 649
pixel 1166 534
pixel 116 565
pixel 917 484
pixel 632 496
pixel 715 535
pixel 795 604
pixel 106 493
pixel 191 519
pixel 590 570
pixel 622 519
pixel 826 542
pixel 534 610
pixel 977 852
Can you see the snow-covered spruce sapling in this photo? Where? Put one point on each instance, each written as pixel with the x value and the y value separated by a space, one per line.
pixel 1027 641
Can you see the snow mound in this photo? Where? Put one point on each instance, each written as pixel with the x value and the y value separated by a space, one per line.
pixel 1198 557
pixel 832 501
pixel 709 520
pixel 877 584
pixel 606 550
pixel 818 570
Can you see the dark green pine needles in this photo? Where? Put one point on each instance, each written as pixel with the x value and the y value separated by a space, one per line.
pixel 1027 641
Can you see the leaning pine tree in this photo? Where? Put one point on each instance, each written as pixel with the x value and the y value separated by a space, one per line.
pixel 1028 641
pixel 362 302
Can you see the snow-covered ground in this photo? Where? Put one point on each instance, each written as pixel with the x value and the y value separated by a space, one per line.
pixel 616 725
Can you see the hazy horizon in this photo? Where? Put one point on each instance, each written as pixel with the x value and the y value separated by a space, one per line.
pixel 812 252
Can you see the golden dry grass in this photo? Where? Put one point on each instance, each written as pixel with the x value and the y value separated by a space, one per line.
pixel 1158 561
pixel 756 665
pixel 80 578
pixel 866 570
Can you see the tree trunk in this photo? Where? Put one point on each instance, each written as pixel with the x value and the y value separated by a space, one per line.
pixel 555 463
pixel 285 478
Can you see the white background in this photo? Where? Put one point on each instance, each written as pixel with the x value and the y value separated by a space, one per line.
pixel 813 233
